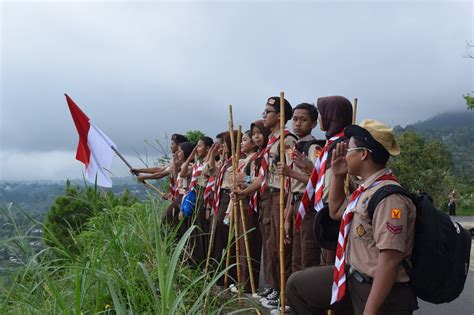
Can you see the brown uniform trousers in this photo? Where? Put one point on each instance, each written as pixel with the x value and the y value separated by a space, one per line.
pixel 306 252
pixel 170 216
pixel 309 292
pixel 255 246
pixel 198 241
pixel 221 238
pixel 270 208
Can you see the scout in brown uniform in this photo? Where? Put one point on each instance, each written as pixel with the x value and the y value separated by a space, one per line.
pixel 198 240
pixel 271 184
pixel 376 281
pixel 306 252
pixel 222 171
pixel 260 135
pixel 254 237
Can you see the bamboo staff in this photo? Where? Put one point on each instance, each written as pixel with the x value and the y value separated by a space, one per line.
pixel 211 240
pixel 235 166
pixel 354 116
pixel 282 204
pixel 146 183
pixel 244 226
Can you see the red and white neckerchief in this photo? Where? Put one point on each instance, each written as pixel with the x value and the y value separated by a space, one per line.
pixel 173 184
pixel 220 178
pixel 208 191
pixel 253 200
pixel 197 171
pixel 176 185
pixel 266 160
pixel 339 284
pixel 315 183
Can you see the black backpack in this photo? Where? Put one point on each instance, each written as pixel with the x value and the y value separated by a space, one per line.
pixel 441 249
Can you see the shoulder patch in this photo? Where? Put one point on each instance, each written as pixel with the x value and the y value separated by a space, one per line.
pixel 396 214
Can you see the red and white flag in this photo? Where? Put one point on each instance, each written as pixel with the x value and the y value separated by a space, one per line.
pixel 94 148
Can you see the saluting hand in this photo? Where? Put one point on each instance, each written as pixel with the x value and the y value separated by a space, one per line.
pixel 339 163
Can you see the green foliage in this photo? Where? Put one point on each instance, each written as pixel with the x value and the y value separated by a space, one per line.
pixel 70 212
pixel 194 136
pixel 425 166
pixel 129 263
pixel 469 101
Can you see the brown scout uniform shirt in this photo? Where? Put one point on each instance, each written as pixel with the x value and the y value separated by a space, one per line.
pixel 392 227
pixel 273 179
pixel 183 183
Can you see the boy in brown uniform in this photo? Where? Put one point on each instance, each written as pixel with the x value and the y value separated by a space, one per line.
pixel 369 254
pixel 305 250
pixel 271 182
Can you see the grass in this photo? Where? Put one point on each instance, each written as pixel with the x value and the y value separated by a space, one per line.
pixel 128 262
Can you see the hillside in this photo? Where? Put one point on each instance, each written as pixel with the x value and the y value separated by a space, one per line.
pixel 456 131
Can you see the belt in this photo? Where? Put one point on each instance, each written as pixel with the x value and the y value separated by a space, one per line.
pixel 274 190
pixel 363 278
pixel 359 276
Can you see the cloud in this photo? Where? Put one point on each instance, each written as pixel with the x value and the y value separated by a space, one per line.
pixel 142 69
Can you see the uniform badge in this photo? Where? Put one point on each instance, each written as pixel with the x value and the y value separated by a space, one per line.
pixel 396 214
pixel 394 229
pixel 360 230
pixel 317 153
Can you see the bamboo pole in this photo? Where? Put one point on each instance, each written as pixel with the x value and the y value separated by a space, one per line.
pixel 211 241
pixel 282 204
pixel 244 228
pixel 235 156
pixel 354 116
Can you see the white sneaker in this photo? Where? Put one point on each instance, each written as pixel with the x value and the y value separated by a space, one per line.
pixel 270 304
pixel 288 310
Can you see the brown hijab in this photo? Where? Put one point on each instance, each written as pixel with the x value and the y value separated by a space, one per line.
pixel 336 113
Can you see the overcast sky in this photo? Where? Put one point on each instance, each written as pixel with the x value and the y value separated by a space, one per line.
pixel 139 70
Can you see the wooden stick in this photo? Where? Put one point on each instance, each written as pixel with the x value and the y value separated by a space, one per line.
pixel 235 157
pixel 211 241
pixel 229 242
pixel 354 116
pixel 244 228
pixel 282 204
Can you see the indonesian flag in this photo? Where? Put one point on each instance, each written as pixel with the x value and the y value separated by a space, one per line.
pixel 94 148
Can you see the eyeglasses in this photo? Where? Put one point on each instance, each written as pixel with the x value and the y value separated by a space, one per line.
pixel 266 111
pixel 358 149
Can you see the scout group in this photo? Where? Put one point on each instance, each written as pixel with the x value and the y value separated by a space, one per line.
pixel 360 271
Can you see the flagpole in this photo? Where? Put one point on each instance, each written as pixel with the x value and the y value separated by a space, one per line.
pixel 146 183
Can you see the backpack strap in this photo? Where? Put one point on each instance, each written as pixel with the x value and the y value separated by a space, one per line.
pixel 304 146
pixel 382 193
pixel 287 135
pixel 377 197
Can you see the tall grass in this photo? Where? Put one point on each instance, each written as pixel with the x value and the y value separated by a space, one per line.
pixel 128 263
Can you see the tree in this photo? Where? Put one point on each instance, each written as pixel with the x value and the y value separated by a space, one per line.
pixel 194 136
pixel 469 101
pixel 425 166
pixel 70 212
